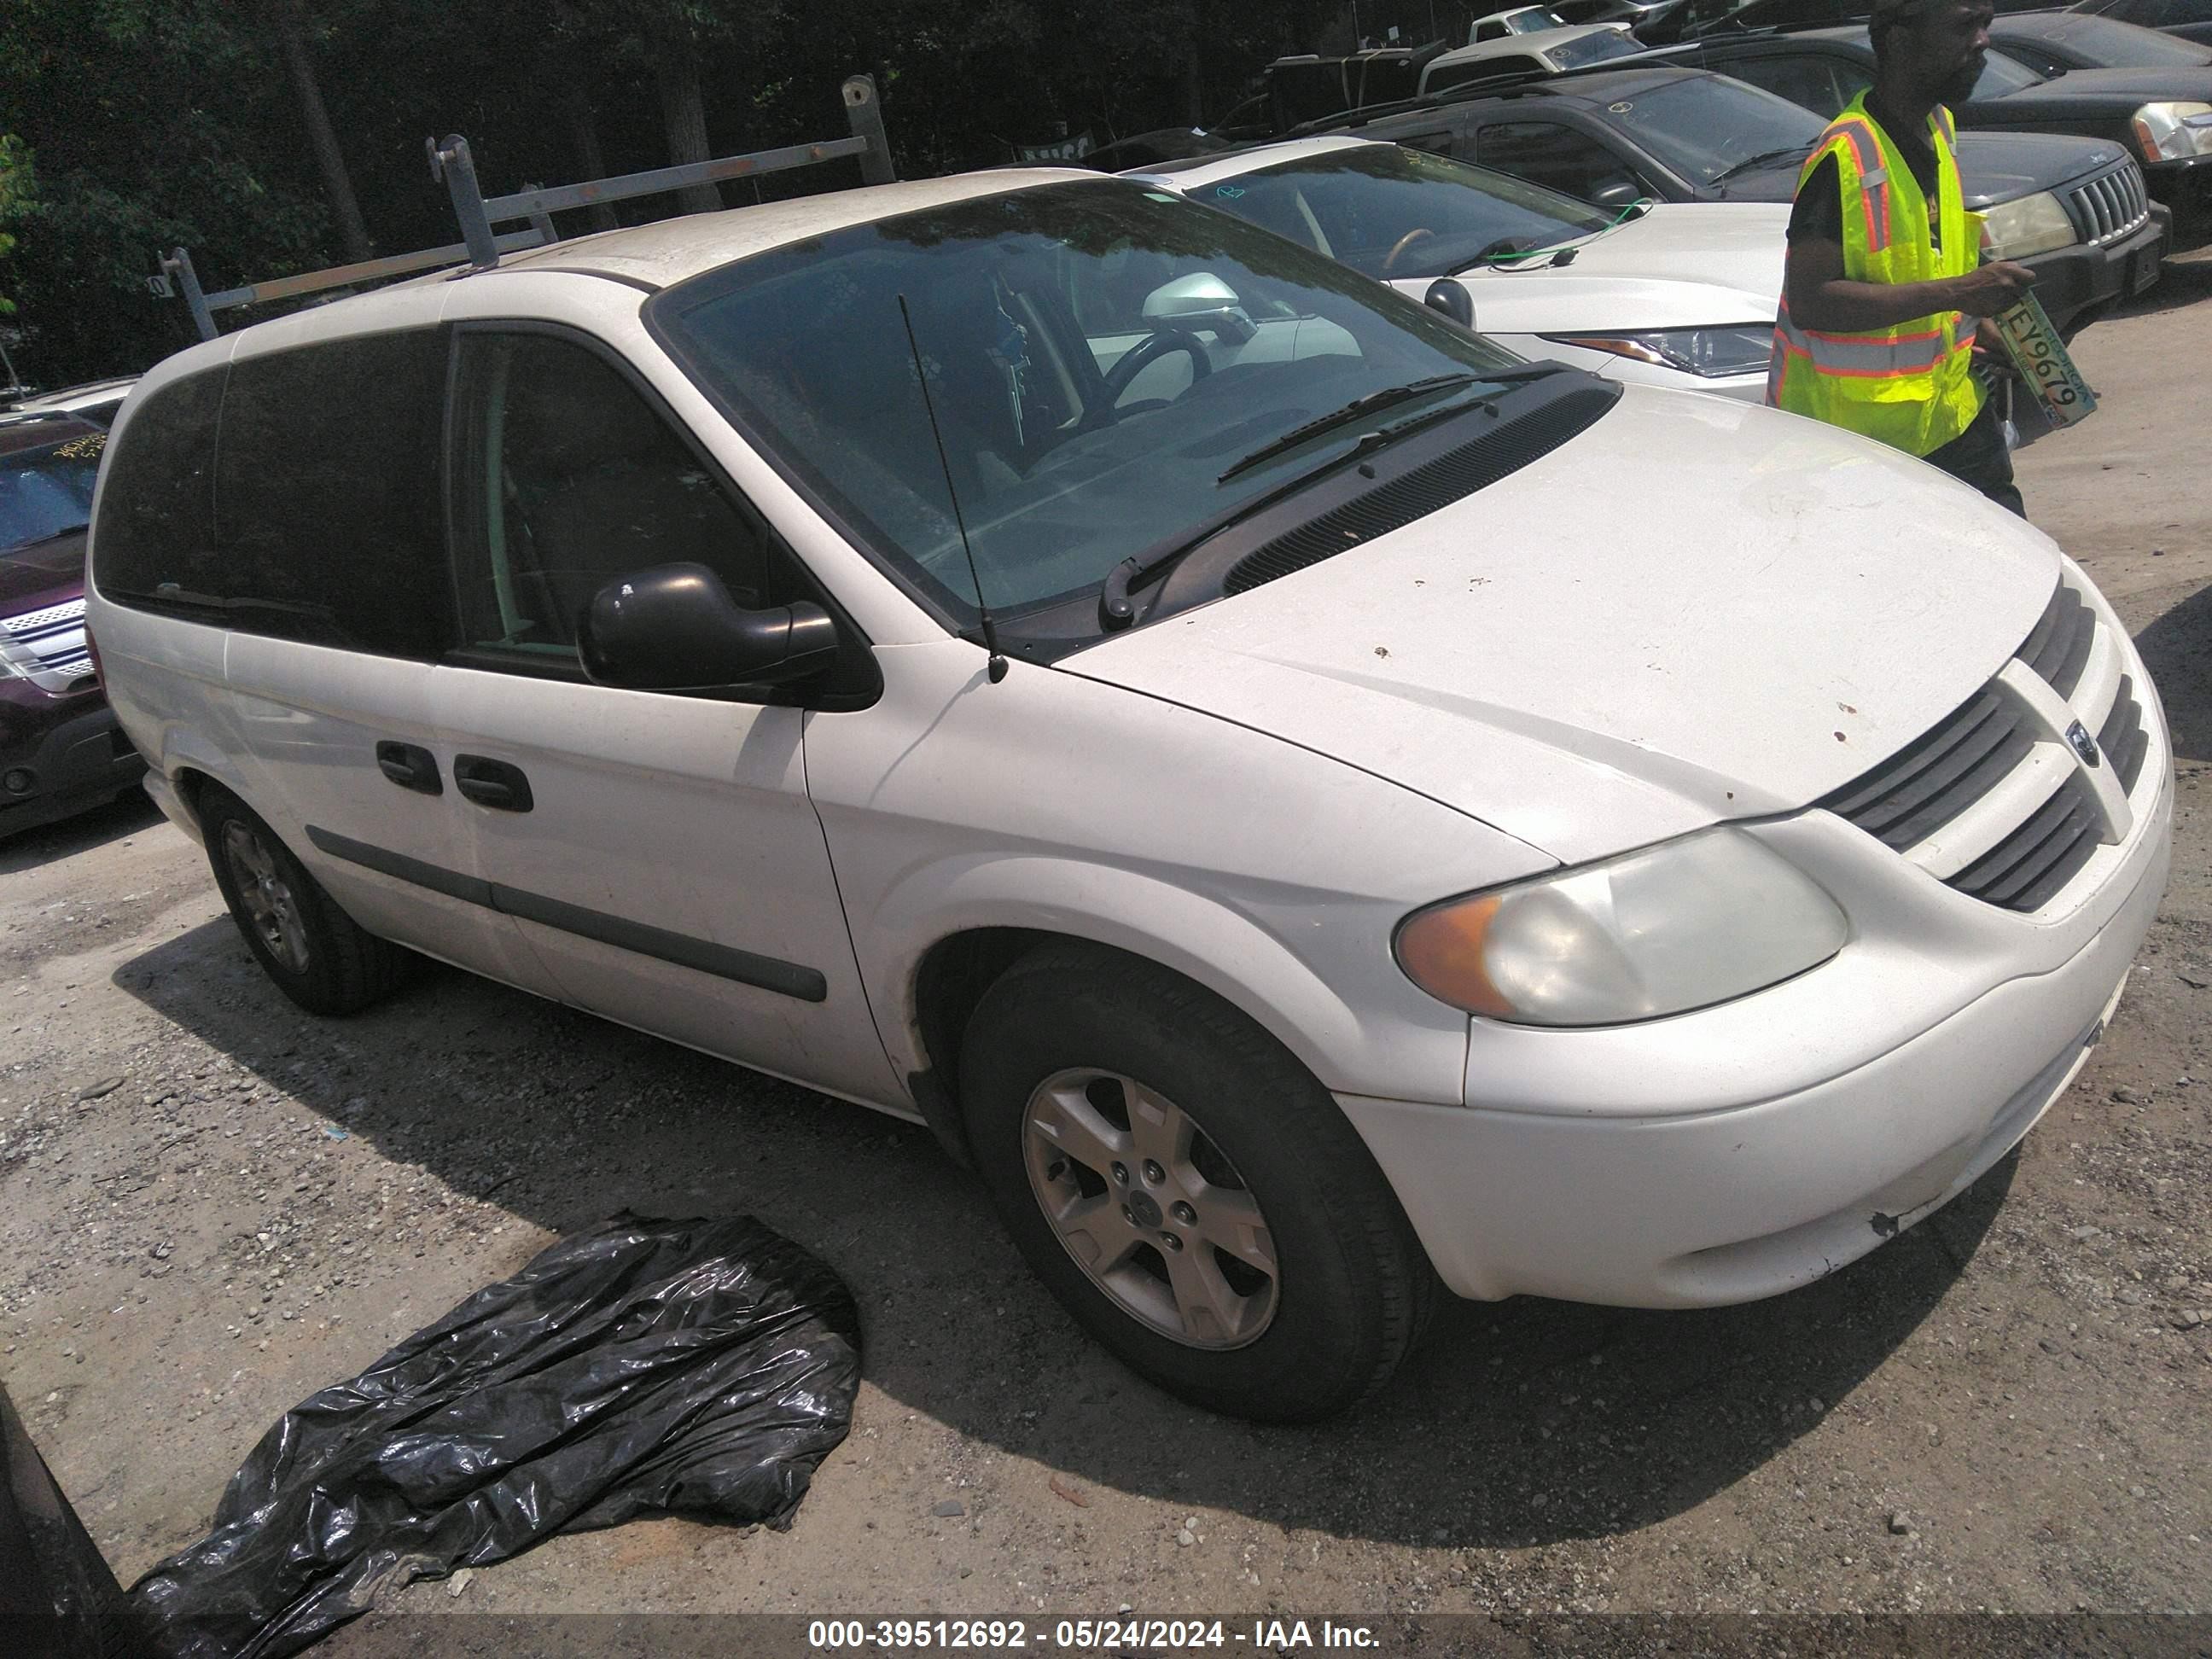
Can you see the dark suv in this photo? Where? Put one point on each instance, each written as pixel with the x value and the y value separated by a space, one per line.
pixel 60 748
pixel 2072 209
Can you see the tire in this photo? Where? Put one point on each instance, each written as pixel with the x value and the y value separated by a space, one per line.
pixel 317 954
pixel 1266 1269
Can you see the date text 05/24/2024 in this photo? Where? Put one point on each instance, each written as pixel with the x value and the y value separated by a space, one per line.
pixel 1084 1635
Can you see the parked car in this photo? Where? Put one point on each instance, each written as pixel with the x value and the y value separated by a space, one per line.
pixel 2073 209
pixel 1676 294
pixel 2190 19
pixel 1547 53
pixel 61 749
pixel 2055 42
pixel 1520 19
pixel 1373 817
pixel 1631 12
pixel 2162 116
pixel 95 401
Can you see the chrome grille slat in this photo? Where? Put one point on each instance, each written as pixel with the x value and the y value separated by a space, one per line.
pixel 1989 800
pixel 2111 205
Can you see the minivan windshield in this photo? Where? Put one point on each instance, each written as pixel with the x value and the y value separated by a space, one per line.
pixel 1389 212
pixel 1100 356
pixel 46 492
pixel 1705 125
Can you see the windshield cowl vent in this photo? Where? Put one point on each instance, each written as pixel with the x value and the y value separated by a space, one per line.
pixel 1452 476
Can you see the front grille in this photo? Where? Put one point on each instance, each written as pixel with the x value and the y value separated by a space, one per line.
pixel 48 647
pixel 1964 801
pixel 2111 205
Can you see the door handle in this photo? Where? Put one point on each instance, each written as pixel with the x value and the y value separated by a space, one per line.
pixel 492 783
pixel 410 767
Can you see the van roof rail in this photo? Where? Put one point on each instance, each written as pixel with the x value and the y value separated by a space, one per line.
pixel 480 245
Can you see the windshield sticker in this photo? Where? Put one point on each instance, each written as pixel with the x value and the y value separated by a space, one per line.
pixel 1229 192
pixel 1620 108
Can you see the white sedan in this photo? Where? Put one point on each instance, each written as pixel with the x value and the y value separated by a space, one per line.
pixel 1670 294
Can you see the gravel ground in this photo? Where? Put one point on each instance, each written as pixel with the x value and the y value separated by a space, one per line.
pixel 211 1204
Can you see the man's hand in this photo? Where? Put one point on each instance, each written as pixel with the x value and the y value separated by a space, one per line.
pixel 1985 292
pixel 1990 353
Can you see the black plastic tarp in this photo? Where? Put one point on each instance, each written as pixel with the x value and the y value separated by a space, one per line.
pixel 700 1368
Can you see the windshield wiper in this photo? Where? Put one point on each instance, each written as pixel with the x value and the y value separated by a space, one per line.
pixel 1116 609
pixel 1336 417
pixel 1762 158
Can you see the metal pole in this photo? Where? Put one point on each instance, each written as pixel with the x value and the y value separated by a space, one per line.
pixel 179 263
pixel 451 161
pixel 866 115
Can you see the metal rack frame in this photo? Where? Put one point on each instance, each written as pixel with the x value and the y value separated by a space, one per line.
pixel 481 244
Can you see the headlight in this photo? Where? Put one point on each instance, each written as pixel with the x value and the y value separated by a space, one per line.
pixel 1709 352
pixel 2174 132
pixel 1680 925
pixel 2033 224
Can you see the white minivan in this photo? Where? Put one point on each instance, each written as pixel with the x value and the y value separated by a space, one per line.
pixel 1377 816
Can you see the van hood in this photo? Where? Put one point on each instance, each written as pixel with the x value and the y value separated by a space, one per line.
pixel 1696 610
pixel 35 575
pixel 2093 90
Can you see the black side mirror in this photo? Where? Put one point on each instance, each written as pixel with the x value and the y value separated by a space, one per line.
pixel 675 627
pixel 1449 294
pixel 1618 194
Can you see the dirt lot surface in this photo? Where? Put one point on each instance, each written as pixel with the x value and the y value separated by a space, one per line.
pixel 211 1204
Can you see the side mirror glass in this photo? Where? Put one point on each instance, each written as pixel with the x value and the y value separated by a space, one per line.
pixel 675 627
pixel 1201 300
pixel 1449 294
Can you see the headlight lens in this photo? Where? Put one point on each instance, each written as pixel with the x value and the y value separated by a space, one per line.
pixel 2174 132
pixel 1708 353
pixel 2033 224
pixel 1681 925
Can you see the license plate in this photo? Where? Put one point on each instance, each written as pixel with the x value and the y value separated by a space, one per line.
pixel 2145 270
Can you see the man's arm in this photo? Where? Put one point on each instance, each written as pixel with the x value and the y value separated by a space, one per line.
pixel 1821 297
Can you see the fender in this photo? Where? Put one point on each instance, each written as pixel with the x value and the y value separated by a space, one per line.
pixel 1407 1045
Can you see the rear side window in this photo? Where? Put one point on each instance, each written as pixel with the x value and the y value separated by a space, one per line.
pixel 156 533
pixel 327 506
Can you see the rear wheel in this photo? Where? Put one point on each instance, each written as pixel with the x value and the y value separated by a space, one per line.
pixel 1187 1188
pixel 317 954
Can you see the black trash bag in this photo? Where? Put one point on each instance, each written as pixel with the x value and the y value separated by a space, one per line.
pixel 700 1368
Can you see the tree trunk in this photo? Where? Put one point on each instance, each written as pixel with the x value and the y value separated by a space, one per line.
pixel 583 133
pixel 683 113
pixel 1194 95
pixel 293 42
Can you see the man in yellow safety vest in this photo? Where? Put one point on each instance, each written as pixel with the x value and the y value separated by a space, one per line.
pixel 1884 293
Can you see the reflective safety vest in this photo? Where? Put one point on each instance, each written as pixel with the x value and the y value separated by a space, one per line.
pixel 1908 385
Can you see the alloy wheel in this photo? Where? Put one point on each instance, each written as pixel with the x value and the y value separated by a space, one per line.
pixel 1150 1208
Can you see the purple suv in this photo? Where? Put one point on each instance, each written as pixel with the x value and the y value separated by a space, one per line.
pixel 60 748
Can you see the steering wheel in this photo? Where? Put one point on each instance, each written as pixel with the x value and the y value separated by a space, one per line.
pixel 1149 350
pixel 1398 249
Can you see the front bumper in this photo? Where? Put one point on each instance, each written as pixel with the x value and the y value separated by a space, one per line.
pixel 1746 1149
pixel 55 763
pixel 2073 283
pixel 2184 188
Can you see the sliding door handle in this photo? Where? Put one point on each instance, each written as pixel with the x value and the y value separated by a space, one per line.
pixel 492 783
pixel 410 767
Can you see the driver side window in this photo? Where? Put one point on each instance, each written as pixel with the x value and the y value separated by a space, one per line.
pixel 566 478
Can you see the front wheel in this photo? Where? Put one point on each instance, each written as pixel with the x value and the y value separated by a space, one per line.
pixel 1187 1189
